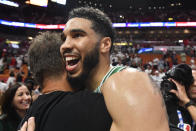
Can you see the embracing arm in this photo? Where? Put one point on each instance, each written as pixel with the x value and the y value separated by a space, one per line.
pixel 134 103
pixel 28 126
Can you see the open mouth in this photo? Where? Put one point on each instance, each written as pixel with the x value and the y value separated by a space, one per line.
pixel 71 62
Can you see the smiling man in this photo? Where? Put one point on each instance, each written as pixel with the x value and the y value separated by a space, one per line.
pixel 131 99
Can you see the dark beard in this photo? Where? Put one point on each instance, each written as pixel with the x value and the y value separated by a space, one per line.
pixel 90 62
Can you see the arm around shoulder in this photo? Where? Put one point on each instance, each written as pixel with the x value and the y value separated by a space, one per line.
pixel 134 103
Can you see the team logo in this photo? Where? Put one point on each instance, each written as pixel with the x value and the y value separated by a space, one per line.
pixel 186 127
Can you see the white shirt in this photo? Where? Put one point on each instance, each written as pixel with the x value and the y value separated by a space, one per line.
pixel 11 80
pixel 3 86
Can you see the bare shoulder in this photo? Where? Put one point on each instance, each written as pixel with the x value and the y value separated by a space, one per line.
pixel 137 85
pixel 132 96
pixel 131 79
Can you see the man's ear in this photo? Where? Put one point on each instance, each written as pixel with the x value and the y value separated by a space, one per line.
pixel 105 45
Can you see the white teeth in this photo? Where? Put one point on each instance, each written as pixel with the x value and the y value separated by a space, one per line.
pixel 25 102
pixel 70 58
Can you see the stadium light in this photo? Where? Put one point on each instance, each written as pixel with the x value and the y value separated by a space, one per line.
pixel 10 3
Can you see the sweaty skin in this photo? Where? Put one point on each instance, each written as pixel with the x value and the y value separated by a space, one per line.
pixel 134 104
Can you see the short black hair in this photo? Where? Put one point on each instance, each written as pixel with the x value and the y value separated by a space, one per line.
pixel 101 23
pixel 44 57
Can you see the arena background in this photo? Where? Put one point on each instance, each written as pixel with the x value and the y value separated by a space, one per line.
pixel 152 35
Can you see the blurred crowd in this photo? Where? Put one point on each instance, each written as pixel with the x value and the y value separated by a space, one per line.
pixel 45 17
pixel 157 66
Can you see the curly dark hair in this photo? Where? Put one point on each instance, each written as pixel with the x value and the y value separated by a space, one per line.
pixel 44 57
pixel 101 23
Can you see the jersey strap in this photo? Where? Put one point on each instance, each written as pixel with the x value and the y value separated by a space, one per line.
pixel 113 70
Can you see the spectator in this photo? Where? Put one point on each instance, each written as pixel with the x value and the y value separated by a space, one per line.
pixel 192 64
pixel 161 64
pixel 20 75
pixel 3 86
pixel 19 62
pixel 155 63
pixel 179 103
pixel 12 64
pixel 174 58
pixel 156 77
pixel 11 79
pixel 15 102
pixel 137 60
pixel 3 64
pixel 183 57
pixel 148 69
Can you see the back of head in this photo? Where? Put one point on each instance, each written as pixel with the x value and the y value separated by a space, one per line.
pixel 101 23
pixel 44 57
pixel 19 78
pixel 12 74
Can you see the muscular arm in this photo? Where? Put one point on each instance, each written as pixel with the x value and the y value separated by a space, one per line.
pixel 133 103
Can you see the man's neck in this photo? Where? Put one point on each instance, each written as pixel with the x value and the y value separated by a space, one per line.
pixel 97 75
pixel 51 85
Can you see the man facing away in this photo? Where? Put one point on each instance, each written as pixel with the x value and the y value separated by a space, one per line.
pixel 59 108
pixel 131 99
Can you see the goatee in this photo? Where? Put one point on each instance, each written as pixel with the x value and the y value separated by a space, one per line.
pixel 91 60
